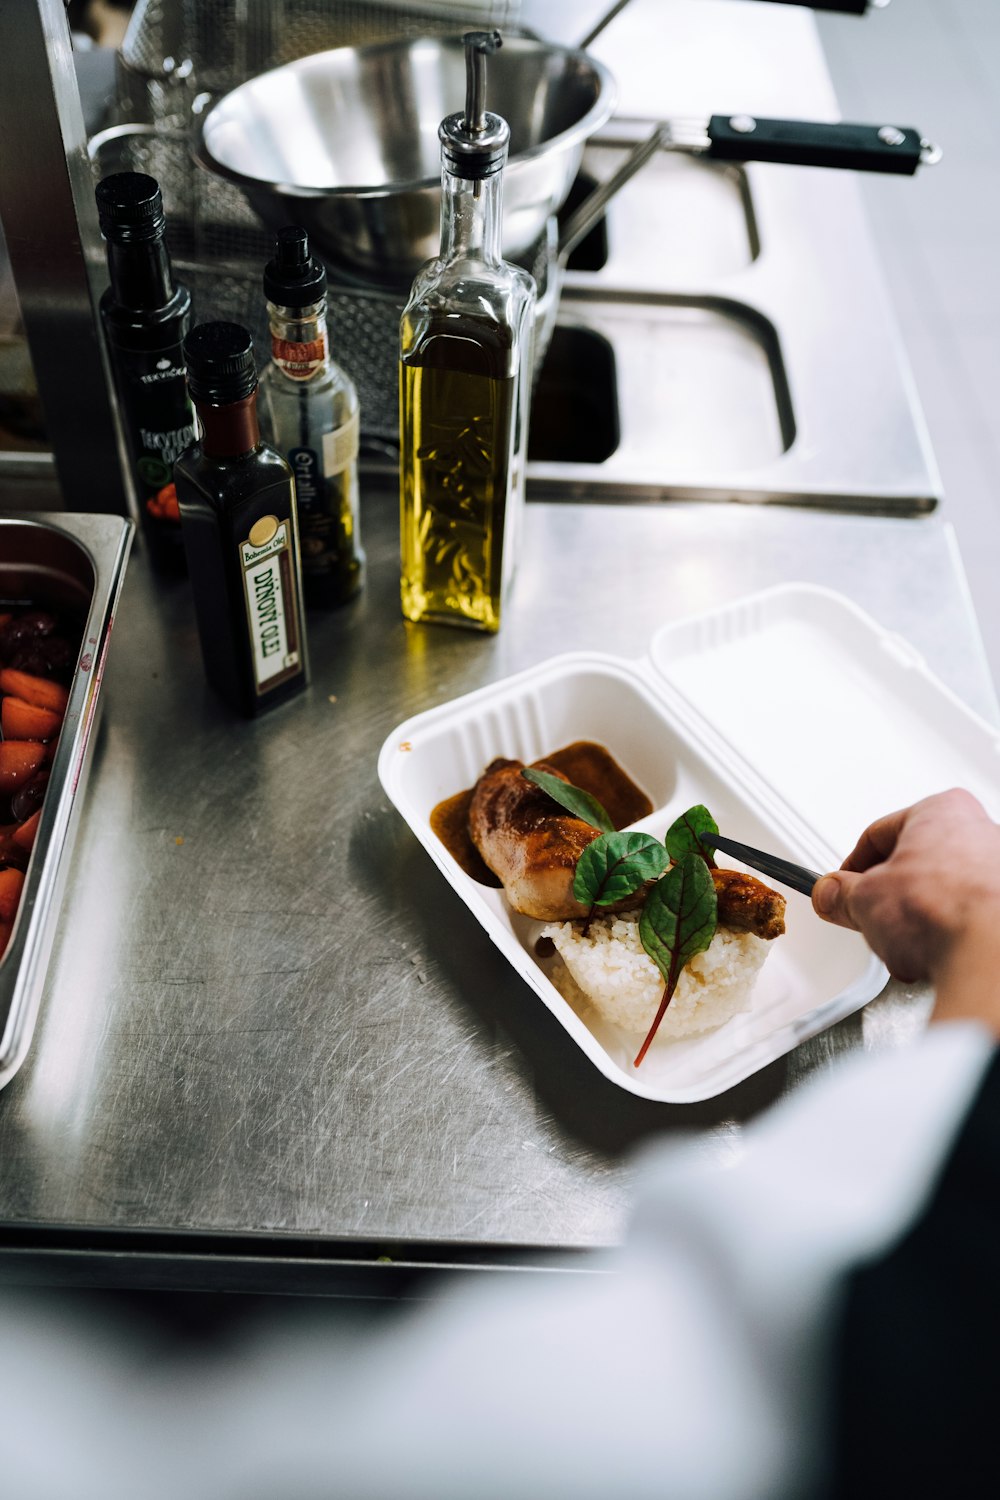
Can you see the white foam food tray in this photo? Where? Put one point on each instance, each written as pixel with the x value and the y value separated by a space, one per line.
pixel 793 716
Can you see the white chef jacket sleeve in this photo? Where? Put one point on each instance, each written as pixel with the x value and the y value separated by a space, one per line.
pixel 689 1364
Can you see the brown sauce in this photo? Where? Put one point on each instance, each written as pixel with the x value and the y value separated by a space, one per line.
pixel 587 765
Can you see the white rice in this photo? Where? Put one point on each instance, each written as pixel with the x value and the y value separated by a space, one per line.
pixel 614 972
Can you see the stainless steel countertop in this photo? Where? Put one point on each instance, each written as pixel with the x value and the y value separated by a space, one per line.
pixel 757 354
pixel 274 1046
pixel 271 1028
pixel 740 367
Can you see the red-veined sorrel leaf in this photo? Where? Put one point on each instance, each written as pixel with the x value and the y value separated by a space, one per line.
pixel 616 865
pixel 682 836
pixel 573 798
pixel 678 920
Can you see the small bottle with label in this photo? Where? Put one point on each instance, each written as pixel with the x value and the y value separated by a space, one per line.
pixel 310 412
pixel 238 517
pixel 464 384
pixel 146 314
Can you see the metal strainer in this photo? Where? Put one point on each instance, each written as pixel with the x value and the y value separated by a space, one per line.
pixel 177 52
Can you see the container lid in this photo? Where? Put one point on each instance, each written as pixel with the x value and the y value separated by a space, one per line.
pixel 130 207
pixel 294 278
pixel 220 363
pixel 794 716
pixel 474 143
pixel 828 713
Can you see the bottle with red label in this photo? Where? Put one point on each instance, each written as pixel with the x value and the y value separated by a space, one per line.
pixel 310 413
pixel 146 314
pixel 237 508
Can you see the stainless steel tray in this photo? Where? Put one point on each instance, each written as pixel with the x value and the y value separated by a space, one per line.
pixel 61 560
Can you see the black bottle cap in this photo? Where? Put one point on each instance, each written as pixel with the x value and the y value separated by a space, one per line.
pixel 130 207
pixel 220 363
pixel 294 278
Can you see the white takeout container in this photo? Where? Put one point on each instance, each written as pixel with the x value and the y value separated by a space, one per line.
pixel 793 717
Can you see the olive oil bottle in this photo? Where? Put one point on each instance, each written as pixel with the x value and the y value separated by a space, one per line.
pixel 465 377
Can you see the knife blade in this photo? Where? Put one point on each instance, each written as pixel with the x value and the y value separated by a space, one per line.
pixel 796 877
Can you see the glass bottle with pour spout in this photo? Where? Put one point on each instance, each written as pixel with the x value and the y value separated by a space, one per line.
pixel 465 383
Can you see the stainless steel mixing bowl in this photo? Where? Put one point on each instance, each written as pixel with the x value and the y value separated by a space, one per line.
pixel 345 143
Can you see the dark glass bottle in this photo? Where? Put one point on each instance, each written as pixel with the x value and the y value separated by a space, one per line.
pixel 146 315
pixel 464 384
pixel 309 407
pixel 238 517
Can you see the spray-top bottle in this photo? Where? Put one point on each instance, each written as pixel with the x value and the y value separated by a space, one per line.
pixel 465 378
pixel 310 412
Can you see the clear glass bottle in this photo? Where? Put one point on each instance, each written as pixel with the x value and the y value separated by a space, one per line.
pixel 238 519
pixel 310 412
pixel 465 378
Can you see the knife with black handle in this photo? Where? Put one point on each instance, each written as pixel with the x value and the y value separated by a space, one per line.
pixel 858 148
pixel 888 148
pixel 897 149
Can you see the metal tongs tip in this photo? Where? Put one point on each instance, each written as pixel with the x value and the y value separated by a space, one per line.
pixel 796 877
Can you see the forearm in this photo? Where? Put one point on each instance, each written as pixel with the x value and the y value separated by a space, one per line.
pixel 967 977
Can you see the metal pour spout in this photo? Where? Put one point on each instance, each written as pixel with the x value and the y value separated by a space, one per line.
pixel 474 143
pixel 478 46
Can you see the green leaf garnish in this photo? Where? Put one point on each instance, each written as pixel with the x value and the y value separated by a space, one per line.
pixel 678 920
pixel 575 800
pixel 616 865
pixel 682 837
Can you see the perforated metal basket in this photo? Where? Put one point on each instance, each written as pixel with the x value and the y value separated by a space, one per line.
pixel 176 57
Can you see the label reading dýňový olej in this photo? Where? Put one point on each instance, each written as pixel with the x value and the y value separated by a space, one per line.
pixel 269 587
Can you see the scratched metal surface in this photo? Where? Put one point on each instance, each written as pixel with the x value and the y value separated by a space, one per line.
pixel 267 1014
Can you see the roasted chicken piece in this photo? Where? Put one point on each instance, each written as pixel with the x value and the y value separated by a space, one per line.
pixel 527 840
pixel 533 845
pixel 746 904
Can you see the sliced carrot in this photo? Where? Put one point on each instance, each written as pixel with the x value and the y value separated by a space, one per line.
pixel 6 928
pixel 24 834
pixel 26 721
pixel 11 882
pixel 11 853
pixel 19 759
pixel 37 690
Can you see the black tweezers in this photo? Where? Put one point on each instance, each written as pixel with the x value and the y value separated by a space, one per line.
pixel 797 877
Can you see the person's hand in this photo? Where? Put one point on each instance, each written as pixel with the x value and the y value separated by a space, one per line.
pixel 923 887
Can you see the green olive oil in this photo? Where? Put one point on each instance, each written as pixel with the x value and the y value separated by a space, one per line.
pixel 464 380
pixel 458 425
